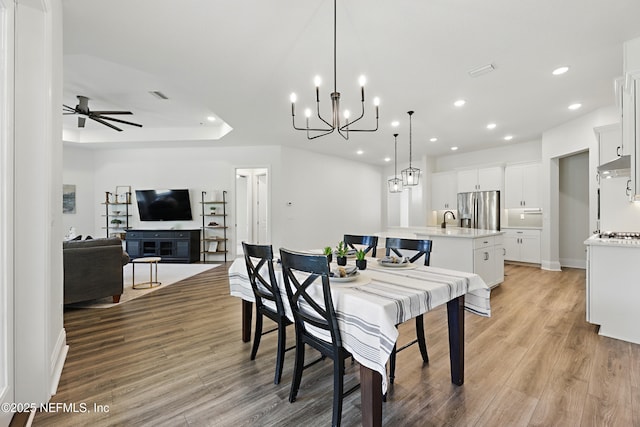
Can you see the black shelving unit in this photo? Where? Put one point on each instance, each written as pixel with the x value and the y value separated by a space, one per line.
pixel 116 207
pixel 212 229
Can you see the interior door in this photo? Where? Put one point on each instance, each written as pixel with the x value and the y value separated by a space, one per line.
pixel 261 208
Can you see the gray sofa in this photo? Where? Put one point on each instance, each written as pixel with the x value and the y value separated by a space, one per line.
pixel 93 269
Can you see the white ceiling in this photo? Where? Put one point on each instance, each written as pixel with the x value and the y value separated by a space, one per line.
pixel 240 59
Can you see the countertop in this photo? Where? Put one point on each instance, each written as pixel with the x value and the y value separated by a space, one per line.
pixel 598 241
pixel 515 227
pixel 455 232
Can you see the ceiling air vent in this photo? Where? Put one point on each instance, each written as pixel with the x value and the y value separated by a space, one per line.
pixel 484 69
pixel 158 94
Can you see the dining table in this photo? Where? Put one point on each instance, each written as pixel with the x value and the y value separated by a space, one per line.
pixel 371 304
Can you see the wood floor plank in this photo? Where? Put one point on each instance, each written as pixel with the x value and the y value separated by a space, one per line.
pixel 175 358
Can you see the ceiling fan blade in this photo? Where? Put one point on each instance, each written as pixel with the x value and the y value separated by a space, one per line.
pixel 81 121
pixel 110 112
pixel 99 120
pixel 118 120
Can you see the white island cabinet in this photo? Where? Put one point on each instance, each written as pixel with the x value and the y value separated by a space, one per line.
pixel 463 249
pixel 613 289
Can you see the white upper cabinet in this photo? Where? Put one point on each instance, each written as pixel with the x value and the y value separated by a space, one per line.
pixel 609 142
pixel 522 186
pixel 484 179
pixel 444 191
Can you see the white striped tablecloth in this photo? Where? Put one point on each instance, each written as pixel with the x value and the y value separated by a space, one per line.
pixel 369 308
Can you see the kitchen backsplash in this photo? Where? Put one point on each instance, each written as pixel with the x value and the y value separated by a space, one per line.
pixel 523 218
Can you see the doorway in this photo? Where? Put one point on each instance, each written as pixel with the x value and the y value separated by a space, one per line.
pixel 573 201
pixel 252 206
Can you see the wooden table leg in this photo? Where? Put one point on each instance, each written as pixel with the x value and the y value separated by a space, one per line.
pixel 455 315
pixel 371 397
pixel 247 310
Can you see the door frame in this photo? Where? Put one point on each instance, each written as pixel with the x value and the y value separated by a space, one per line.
pixel 253 172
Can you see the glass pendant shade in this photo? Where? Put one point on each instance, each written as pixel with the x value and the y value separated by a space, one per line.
pixel 410 175
pixel 395 185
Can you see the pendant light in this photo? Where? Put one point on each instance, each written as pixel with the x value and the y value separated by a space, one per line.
pixel 395 183
pixel 333 123
pixel 410 175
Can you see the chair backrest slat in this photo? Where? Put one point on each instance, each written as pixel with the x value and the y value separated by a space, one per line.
pixel 306 279
pixel 256 257
pixel 422 247
pixel 371 242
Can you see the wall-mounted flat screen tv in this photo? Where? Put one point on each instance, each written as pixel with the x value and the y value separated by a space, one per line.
pixel 164 205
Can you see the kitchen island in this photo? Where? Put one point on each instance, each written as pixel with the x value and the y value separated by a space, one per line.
pixel 464 249
pixel 613 291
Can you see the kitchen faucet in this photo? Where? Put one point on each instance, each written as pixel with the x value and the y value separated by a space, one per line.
pixel 444 219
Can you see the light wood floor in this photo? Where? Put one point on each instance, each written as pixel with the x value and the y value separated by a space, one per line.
pixel 175 358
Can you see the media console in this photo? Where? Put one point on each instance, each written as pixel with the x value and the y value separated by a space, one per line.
pixel 170 245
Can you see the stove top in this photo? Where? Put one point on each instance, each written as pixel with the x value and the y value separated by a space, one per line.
pixel 622 235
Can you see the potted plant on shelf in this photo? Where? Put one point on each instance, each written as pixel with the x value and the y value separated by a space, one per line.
pixel 328 253
pixel 116 222
pixel 361 262
pixel 213 210
pixel 341 252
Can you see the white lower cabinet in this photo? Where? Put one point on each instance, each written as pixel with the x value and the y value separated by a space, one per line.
pixel 483 256
pixel 522 245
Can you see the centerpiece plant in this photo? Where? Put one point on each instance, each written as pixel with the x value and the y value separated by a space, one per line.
pixel 361 262
pixel 328 252
pixel 341 253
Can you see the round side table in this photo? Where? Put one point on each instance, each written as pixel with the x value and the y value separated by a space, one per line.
pixel 152 260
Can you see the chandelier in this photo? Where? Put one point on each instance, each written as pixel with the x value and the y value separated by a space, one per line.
pixel 395 183
pixel 334 123
pixel 410 175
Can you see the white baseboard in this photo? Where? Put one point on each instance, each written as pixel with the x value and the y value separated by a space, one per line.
pixel 58 356
pixel 574 263
pixel 550 265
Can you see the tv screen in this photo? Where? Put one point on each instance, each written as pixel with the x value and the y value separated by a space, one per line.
pixel 164 205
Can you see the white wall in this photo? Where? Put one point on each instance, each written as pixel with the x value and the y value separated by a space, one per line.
pixel 40 343
pixel 529 151
pixel 567 139
pixel 78 169
pixel 329 196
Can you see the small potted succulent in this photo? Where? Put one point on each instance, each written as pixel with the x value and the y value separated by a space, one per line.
pixel 213 210
pixel 116 222
pixel 328 253
pixel 361 262
pixel 341 252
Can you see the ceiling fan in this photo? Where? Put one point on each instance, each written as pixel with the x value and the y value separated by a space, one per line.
pixel 99 116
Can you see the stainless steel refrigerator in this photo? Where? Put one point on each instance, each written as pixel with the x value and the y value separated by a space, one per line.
pixel 480 209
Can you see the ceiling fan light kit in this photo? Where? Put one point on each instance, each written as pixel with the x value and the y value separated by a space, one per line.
pixel 334 122
pixel 82 109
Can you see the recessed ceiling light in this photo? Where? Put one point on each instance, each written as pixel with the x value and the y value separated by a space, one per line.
pixel 575 106
pixel 387 159
pixel 560 70
pixel 508 137
pixel 491 126
pixel 434 139
pixel 454 148
pixel 395 123
pixel 459 102
pixel 211 119
pixel 359 152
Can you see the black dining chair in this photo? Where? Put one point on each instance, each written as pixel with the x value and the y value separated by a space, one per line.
pixel 421 248
pixel 269 301
pixel 370 242
pixel 306 279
